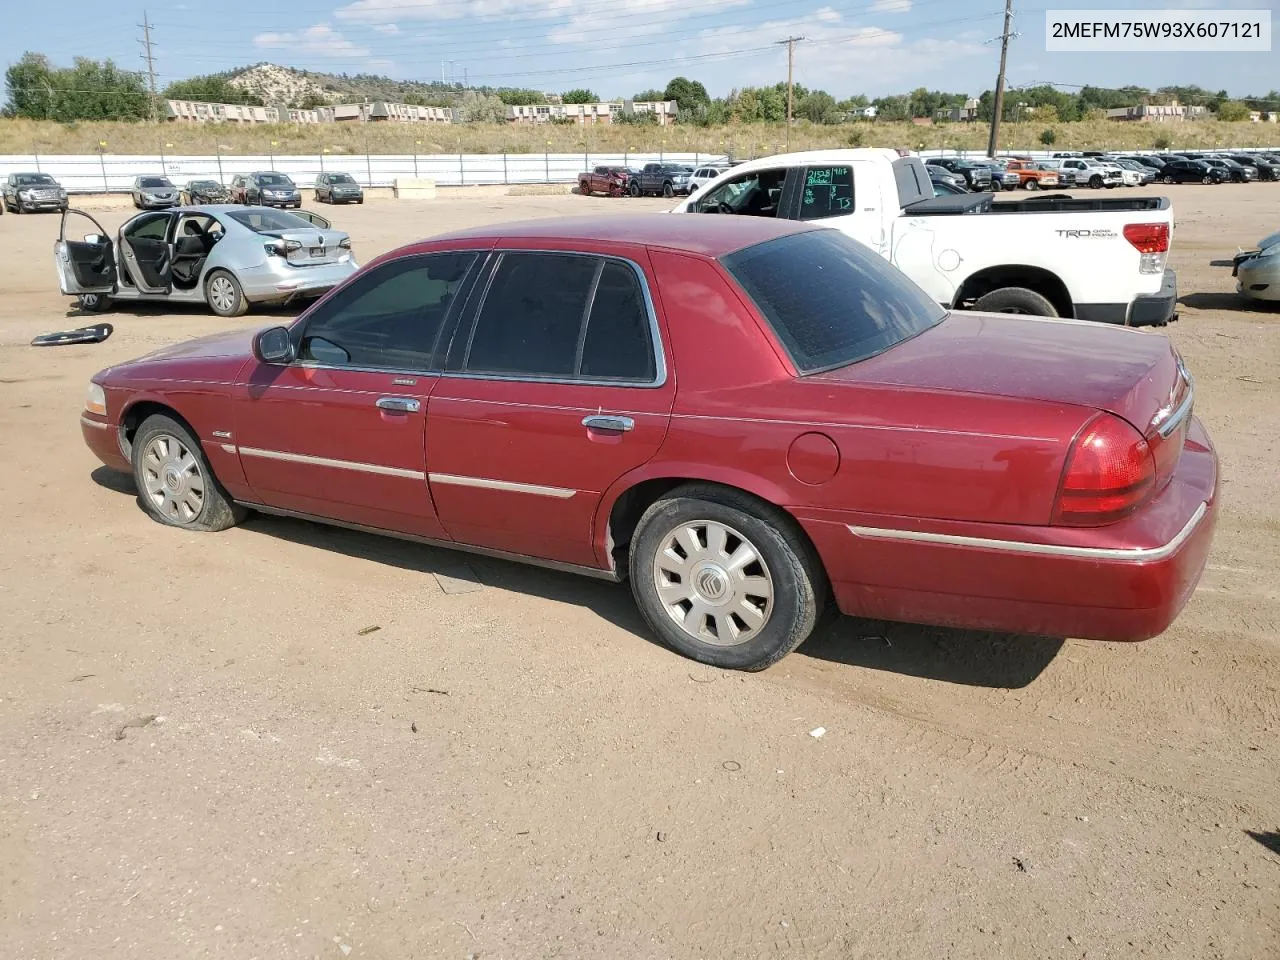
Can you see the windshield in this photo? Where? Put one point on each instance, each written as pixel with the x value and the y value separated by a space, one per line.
pixel 340 178
pixel 830 300
pixel 36 180
pixel 275 180
pixel 262 220
pixel 206 185
pixel 154 182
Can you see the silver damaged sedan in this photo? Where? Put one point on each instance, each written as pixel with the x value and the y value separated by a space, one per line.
pixel 1257 272
pixel 226 256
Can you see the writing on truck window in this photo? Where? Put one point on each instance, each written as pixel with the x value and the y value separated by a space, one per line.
pixel 828 192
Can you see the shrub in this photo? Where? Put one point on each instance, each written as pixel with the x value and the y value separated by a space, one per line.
pixel 1048 137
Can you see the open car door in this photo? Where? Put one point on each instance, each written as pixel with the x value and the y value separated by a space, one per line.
pixel 147 252
pixel 84 266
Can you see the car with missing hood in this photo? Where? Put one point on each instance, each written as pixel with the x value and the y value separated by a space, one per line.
pixel 30 192
pixel 150 193
pixel 1257 272
pixel 225 256
pixel 204 191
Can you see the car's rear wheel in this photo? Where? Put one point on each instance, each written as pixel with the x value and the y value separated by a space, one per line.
pixel 94 302
pixel 1166 179
pixel 224 294
pixel 1015 300
pixel 1206 180
pixel 175 484
pixel 725 579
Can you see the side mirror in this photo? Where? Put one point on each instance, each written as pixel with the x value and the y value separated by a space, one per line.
pixel 273 345
pixel 95 238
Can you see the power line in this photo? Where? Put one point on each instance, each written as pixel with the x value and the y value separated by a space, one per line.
pixel 149 57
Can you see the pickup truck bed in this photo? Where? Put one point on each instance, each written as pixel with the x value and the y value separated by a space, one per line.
pixel 1041 203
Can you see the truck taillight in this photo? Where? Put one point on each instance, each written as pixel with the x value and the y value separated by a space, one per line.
pixel 1152 241
pixel 1110 472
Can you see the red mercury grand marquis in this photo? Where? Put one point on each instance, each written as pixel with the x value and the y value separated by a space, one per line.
pixel 745 417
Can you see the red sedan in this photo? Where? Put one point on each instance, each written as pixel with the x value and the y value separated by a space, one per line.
pixel 745 417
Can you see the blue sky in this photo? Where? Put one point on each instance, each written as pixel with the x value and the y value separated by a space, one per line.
pixel 617 47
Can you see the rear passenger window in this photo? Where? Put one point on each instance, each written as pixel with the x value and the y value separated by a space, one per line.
pixel 827 192
pixel 532 315
pixel 563 316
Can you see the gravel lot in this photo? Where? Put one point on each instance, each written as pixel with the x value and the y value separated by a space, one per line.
pixel 207 753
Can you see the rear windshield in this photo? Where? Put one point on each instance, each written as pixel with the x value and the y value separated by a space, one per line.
pixel 830 300
pixel 264 220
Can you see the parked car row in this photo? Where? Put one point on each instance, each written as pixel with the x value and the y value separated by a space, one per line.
pixel 653 179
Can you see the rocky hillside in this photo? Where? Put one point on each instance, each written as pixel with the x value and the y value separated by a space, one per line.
pixel 281 85
pixel 289 87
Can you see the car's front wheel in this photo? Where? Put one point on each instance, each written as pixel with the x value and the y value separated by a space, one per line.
pixel 94 302
pixel 224 294
pixel 725 579
pixel 175 485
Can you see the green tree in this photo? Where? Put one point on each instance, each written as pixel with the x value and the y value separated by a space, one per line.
pixel 892 108
pixel 1233 111
pixel 516 97
pixel 1048 137
pixel 89 90
pixel 215 88
pixel 475 107
pixel 29 88
pixel 580 95
pixel 649 96
pixel 818 107
pixel 687 94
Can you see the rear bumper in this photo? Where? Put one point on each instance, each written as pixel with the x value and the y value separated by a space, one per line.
pixel 269 283
pixel 1146 310
pixel 1126 582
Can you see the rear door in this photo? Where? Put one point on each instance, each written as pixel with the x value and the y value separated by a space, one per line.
pixel 556 389
pixel 339 433
pixel 147 252
pixel 84 266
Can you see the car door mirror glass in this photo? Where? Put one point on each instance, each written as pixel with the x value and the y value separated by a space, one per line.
pixel 94 238
pixel 273 345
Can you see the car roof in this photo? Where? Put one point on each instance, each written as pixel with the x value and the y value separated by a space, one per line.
pixel 711 236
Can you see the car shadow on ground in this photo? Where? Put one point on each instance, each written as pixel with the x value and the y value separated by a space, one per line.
pixel 155 308
pixel 965 657
pixel 1268 838
pixel 1226 301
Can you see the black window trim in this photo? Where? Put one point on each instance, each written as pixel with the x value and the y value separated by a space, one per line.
pixel 467 326
pixel 299 328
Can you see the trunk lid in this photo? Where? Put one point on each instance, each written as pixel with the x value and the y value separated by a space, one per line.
pixel 314 246
pixel 1136 376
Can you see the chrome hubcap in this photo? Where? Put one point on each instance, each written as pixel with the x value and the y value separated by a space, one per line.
pixel 713 583
pixel 222 293
pixel 172 479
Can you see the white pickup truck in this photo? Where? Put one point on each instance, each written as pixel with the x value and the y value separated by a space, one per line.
pixel 1096 258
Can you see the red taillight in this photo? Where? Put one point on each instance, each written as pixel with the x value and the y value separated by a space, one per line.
pixel 1110 471
pixel 1148 237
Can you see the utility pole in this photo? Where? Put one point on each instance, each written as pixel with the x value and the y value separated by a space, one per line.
pixel 993 142
pixel 791 57
pixel 149 57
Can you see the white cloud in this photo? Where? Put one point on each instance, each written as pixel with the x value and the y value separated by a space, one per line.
pixel 891 6
pixel 636 16
pixel 389 29
pixel 320 39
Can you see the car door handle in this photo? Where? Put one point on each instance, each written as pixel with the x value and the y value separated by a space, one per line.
pixel 601 422
pixel 400 404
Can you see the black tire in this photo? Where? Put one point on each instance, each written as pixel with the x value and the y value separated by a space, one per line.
pixel 668 191
pixel 1095 182
pixel 634 189
pixel 319 199
pixel 1015 300
pixel 1206 180
pixel 217 510
pixel 360 199
pixel 235 304
pixel 1167 179
pixel 94 302
pixel 799 584
pixel 1032 184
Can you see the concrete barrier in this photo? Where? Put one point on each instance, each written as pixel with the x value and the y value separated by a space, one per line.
pixel 412 189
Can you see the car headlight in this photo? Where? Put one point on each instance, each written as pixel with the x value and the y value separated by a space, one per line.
pixel 96 400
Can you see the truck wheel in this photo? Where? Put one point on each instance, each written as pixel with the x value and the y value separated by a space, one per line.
pixel 1032 185
pixel 1166 179
pixel 634 189
pixel 1095 182
pixel 1015 300
pixel 668 191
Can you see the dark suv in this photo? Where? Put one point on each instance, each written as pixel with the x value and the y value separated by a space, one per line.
pixel 1191 171
pixel 976 176
pixel 667 179
pixel 266 189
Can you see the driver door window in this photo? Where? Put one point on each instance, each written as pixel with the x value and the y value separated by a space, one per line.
pixel 390 318
pixel 756 194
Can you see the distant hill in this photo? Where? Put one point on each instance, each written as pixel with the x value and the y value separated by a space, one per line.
pixel 287 86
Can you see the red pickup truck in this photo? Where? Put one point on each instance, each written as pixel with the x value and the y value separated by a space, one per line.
pixel 610 180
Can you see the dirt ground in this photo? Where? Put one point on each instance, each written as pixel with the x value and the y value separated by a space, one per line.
pixel 206 751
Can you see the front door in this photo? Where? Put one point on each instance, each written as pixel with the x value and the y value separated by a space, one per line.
pixel 147 252
pixel 84 266
pixel 557 389
pixel 340 432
